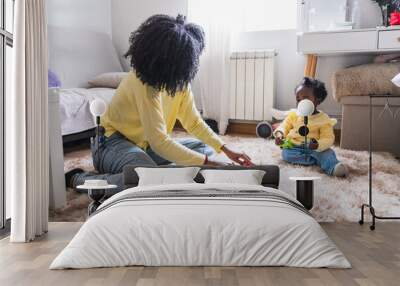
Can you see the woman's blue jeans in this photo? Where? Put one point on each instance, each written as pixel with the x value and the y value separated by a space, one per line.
pixel 117 151
pixel 326 160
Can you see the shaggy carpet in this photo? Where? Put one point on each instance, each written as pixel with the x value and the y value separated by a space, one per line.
pixel 336 199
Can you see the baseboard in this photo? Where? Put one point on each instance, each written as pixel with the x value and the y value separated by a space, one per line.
pixel 249 129
pixel 338 133
pixel 243 128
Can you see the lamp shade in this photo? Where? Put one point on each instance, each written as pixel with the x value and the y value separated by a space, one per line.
pixel 305 107
pixel 98 107
pixel 396 80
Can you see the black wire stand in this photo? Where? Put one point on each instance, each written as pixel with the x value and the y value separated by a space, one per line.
pixel 370 205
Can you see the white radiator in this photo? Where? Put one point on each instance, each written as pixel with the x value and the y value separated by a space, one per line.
pixel 252 85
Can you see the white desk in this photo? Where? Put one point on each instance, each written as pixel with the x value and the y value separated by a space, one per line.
pixel 377 40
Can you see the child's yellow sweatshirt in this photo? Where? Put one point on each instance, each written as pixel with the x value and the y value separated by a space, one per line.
pixel 146 117
pixel 320 126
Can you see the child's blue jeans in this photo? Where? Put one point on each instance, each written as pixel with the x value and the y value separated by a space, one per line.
pixel 326 160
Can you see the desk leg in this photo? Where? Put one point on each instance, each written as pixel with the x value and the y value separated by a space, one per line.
pixel 305 193
pixel 311 66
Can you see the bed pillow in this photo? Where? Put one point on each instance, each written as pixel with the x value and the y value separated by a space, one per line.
pixel 247 177
pixel 166 176
pixel 53 80
pixel 109 79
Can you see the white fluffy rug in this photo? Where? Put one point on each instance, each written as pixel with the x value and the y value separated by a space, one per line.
pixel 335 199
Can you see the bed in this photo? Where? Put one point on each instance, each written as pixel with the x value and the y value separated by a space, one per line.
pixel 198 224
pixel 77 56
pixel 74 109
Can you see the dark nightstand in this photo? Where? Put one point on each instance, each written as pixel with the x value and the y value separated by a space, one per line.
pixel 305 190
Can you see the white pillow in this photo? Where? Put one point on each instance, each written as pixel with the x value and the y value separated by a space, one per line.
pixel 247 177
pixel 166 176
pixel 109 79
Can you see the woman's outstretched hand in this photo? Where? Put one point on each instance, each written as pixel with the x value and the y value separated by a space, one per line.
pixel 239 158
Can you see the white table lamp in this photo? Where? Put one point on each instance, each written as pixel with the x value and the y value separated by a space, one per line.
pixel 98 107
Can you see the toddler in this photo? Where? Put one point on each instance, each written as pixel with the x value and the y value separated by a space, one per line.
pixel 320 137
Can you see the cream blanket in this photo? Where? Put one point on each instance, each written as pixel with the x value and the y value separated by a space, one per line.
pixel 258 226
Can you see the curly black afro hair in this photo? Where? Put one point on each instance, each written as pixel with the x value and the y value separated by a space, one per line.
pixel 164 52
pixel 318 87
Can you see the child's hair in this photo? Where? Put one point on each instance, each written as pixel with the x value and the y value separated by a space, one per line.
pixel 164 52
pixel 319 89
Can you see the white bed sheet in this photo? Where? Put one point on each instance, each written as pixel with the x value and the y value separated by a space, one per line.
pixel 74 108
pixel 206 231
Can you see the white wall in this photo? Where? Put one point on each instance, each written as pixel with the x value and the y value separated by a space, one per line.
pixel 290 64
pixel 127 15
pixel 92 15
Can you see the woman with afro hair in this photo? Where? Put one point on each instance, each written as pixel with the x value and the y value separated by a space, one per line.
pixel 164 55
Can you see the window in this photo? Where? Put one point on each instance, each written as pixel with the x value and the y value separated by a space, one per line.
pixel 6 43
pixel 265 15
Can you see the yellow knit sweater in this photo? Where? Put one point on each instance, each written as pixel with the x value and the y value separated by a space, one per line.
pixel 320 126
pixel 147 117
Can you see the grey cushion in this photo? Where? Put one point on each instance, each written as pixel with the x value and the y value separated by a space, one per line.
pixel 365 79
pixel 270 179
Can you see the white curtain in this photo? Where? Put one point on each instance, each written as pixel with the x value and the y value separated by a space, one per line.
pixel 219 20
pixel 27 125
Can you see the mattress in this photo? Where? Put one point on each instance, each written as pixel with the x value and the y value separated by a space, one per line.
pixel 201 225
pixel 75 114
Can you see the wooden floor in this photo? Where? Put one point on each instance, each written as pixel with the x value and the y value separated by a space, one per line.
pixel 375 257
